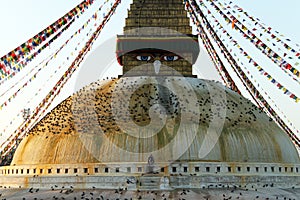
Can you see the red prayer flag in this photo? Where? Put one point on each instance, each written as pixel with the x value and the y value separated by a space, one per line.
pixel 2 66
pixel 233 23
pixel 288 66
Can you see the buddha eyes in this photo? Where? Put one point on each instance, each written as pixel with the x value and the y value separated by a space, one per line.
pixel 168 58
pixel 144 58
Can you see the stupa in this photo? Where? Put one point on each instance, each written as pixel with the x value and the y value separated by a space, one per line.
pixel 157 126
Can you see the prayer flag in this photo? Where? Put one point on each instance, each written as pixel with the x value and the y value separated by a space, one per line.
pixel 233 23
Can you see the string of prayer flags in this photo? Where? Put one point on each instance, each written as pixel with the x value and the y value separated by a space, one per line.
pixel 15 56
pixel 46 102
pixel 267 30
pixel 247 34
pixel 250 59
pixel 262 102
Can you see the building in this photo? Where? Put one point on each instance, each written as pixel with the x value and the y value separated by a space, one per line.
pixel 156 127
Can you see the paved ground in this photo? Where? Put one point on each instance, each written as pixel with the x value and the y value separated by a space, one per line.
pixel 69 193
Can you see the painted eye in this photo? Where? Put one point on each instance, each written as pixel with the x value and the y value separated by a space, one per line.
pixel 170 58
pixel 143 58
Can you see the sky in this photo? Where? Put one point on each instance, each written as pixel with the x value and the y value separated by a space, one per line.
pixel 21 20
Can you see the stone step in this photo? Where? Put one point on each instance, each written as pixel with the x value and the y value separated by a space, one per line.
pixel 154 6
pixel 144 22
pixel 149 182
pixel 157 1
pixel 183 29
pixel 155 13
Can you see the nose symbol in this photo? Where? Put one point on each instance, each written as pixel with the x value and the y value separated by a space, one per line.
pixel 157 65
